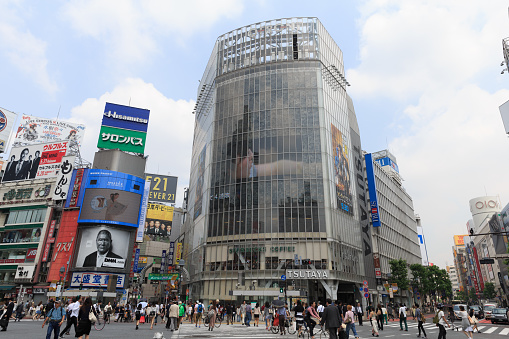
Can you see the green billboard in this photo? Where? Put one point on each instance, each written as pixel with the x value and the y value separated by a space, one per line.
pixel 122 139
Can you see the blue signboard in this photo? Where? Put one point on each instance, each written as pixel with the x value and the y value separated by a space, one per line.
pixel 111 198
pixel 126 117
pixel 373 201
pixel 388 162
pixel 136 259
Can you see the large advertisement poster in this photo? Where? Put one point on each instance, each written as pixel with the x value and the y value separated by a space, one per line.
pixel 103 246
pixel 158 222
pixel 34 130
pixel 341 171
pixel 34 162
pixel 110 206
pixel 7 120
pixel 162 188
pixel 199 185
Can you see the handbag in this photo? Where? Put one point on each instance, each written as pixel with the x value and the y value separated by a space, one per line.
pixel 276 321
pixel 91 316
pixel 348 320
pixel 142 319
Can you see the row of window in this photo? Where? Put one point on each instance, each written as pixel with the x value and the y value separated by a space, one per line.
pixel 26 216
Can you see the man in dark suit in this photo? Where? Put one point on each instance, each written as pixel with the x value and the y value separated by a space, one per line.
pixel 23 166
pixel 331 319
pixel 35 165
pixel 9 169
pixel 104 246
pixel 7 315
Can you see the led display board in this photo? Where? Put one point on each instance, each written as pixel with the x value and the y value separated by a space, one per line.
pixel 111 198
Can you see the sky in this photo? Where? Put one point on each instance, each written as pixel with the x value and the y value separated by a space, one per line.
pixel 425 81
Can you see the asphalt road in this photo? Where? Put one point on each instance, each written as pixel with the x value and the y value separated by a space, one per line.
pixel 32 329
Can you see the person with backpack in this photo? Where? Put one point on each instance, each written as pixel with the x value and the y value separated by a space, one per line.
pixel 420 320
pixel 402 317
pixel 440 322
pixel 55 318
pixel 198 313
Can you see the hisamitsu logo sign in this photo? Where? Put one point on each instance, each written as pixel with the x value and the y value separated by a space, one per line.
pixel 126 117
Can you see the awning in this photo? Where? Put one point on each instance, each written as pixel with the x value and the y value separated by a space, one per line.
pixel 6 288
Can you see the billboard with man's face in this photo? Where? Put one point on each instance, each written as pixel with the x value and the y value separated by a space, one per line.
pixel 103 246
pixel 34 162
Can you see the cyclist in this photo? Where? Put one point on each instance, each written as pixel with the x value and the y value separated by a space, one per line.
pixel 299 316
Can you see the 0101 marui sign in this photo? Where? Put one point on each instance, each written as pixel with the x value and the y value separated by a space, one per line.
pixel 35 162
pixel 7 120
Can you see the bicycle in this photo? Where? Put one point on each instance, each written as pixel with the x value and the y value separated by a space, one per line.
pixel 100 323
pixel 319 331
pixel 206 321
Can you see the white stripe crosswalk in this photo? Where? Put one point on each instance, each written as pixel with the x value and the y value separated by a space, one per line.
pixel 430 326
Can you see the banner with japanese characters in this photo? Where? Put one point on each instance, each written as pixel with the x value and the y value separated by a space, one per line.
pixel 34 130
pixel 94 279
pixel 64 177
pixel 35 162
pixel 158 222
pixel 122 139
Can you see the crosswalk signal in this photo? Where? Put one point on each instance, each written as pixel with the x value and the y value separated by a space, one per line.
pixel 281 290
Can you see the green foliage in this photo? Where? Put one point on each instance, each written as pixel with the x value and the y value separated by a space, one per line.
pixel 489 290
pixel 472 295
pixel 399 273
pixel 462 295
pixel 431 280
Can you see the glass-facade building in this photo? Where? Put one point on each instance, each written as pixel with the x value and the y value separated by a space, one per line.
pixel 277 173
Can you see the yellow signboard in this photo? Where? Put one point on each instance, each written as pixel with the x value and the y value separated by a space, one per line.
pixel 458 240
pixel 142 260
pixel 178 253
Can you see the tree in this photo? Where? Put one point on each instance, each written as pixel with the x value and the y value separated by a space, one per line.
pixel 420 279
pixel 489 290
pixel 462 295
pixel 472 295
pixel 399 273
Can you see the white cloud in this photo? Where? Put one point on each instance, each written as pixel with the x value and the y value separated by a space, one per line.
pixel 130 29
pixel 22 48
pixel 438 59
pixel 170 132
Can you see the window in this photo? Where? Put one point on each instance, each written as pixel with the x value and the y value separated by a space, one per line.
pixel 26 216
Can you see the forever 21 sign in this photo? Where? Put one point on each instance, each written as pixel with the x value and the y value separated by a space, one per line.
pixel 162 188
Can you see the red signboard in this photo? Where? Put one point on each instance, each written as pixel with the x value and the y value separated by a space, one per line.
pixel 481 281
pixel 64 244
pixel 31 254
pixel 49 240
pixel 11 261
pixel 76 188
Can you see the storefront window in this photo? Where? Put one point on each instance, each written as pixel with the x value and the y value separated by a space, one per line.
pixel 17 236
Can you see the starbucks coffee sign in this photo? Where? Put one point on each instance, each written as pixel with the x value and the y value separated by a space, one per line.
pixel 307 274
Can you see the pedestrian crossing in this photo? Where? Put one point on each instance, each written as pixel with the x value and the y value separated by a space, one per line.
pixel 500 330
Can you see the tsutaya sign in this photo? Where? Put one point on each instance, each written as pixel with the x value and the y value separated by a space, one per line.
pixel 307 274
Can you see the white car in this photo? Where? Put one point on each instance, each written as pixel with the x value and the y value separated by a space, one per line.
pixel 488 308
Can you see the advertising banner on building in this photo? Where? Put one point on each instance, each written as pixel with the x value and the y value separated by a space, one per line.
pixel 162 188
pixel 422 246
pixel 95 279
pixel 122 139
pixel 7 120
pixel 34 130
pixel 142 224
pixel 199 184
pixel 110 206
pixel 158 222
pixel 124 128
pixel 458 240
pixel 136 260
pixel 35 162
pixel 341 172
pixel 162 270
pixel 103 246
pixel 178 253
pixel 77 179
pixel 64 244
pixel 25 194
pixel 370 174
pixel 24 272
pixel 64 177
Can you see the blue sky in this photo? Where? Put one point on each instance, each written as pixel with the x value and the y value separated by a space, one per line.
pixel 425 81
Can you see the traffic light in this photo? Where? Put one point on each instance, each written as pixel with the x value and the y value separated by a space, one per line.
pixel 281 290
pixel 81 286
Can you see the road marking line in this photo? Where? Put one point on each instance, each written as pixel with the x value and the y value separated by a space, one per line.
pixel 491 329
pixel 505 331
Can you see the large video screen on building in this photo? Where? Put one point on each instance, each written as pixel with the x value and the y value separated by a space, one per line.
pixel 110 206
pixel 103 246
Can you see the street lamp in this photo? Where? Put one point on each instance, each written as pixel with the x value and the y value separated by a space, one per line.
pixel 181 264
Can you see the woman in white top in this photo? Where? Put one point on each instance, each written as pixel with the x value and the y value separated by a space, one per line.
pixel 374 326
pixel 466 327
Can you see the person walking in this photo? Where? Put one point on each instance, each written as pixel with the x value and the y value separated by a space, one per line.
pixel 466 321
pixel 402 318
pixel 299 317
pixel 379 317
pixel 54 318
pixel 72 318
pixel 212 315
pixel 243 312
pixel 474 320
pixel 385 314
pixel 249 312
pixel 331 319
pixel 312 318
pixel 350 322
pixel 281 314
pixel 320 308
pixel 19 312
pixel 6 316
pixel 360 313
pixel 442 322
pixel 389 311
pixel 419 316
pixel 84 323
pixel 138 313
pixel 256 313
pixel 374 326
pixel 182 313
pixel 173 315
pixel 198 312
pixel 267 315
